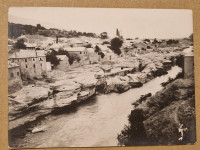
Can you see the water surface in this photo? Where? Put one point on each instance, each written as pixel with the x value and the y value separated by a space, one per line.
pixel 96 123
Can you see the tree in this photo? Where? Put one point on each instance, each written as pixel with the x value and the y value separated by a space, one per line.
pixel 71 57
pixel 88 46
pixel 51 57
pixel 116 43
pixel 191 37
pixel 102 55
pixel 38 26
pixel 104 35
pixel 155 41
pixel 170 42
pixel 97 49
pixel 134 134
pixel 74 57
pixel 20 44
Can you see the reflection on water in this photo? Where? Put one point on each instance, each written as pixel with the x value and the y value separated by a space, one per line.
pixel 98 122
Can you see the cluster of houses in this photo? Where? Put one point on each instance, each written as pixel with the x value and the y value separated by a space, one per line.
pixel 30 63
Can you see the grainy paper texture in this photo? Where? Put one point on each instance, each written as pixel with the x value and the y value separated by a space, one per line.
pixel 4 5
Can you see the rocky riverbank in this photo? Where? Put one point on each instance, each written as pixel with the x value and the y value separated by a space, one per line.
pixel 160 119
pixel 25 107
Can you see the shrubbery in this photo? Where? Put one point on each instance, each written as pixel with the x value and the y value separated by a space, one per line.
pixel 135 133
pixel 51 56
pixel 19 44
pixel 99 52
pixel 116 43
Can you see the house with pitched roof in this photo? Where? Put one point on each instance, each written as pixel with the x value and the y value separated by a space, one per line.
pixel 32 63
pixel 77 50
pixel 80 51
pixel 76 42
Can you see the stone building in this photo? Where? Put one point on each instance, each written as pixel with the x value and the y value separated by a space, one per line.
pixel 32 63
pixel 189 64
pixel 14 76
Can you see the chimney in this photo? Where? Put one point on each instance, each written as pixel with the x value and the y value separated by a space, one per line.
pixel 56 39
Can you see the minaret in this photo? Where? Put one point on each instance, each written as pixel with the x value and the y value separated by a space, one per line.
pixel 117 33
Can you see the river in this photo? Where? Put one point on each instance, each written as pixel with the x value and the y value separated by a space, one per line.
pixel 96 123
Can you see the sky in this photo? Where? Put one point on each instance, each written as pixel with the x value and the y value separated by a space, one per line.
pixel 142 23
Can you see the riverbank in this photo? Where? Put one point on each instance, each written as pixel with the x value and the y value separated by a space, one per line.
pixel 158 119
pixel 107 112
pixel 26 109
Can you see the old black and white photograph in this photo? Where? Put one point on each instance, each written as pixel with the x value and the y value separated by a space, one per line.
pixel 100 77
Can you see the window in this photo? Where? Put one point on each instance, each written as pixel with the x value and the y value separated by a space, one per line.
pixel 26 66
pixel 80 52
pixel 11 75
pixel 40 59
pixel 33 59
pixel 17 73
pixel 33 65
pixel 41 64
pixel 25 60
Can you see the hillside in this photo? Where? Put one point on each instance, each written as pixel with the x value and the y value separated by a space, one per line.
pixel 158 119
pixel 15 30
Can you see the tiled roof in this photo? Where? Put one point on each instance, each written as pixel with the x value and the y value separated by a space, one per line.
pixel 24 54
pixel 75 49
pixel 30 45
pixel 41 53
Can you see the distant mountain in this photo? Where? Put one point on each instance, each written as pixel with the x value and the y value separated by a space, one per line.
pixel 16 30
pixel 26 21
pixel 18 26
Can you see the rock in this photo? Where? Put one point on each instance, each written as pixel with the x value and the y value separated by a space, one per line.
pixel 118 84
pixel 29 95
pixel 39 129
pixel 65 101
pixel 141 99
pixel 65 85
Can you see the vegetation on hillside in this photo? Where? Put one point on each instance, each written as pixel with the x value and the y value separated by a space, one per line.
pixel 191 37
pixel 99 52
pixel 16 30
pixel 19 44
pixel 51 57
pixel 116 43
pixel 171 41
pixel 156 120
